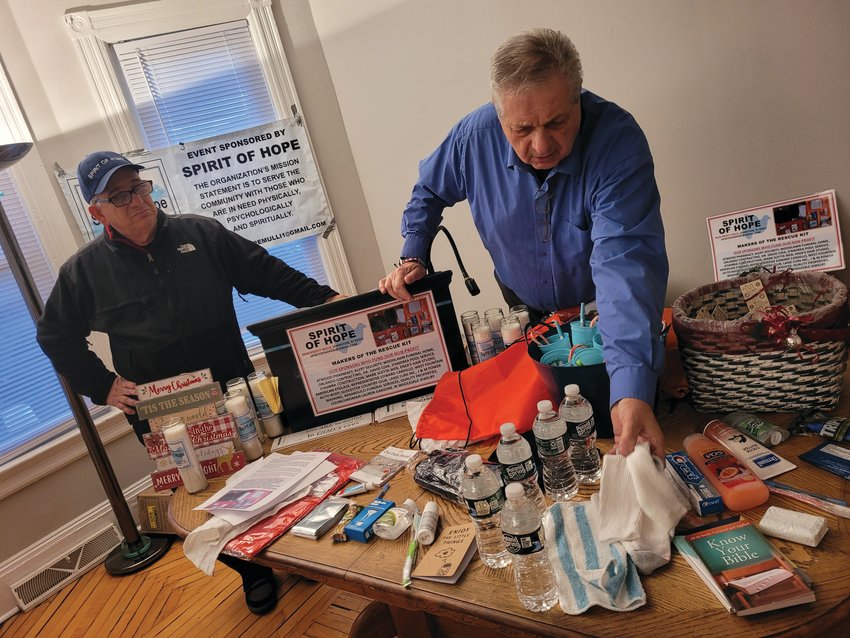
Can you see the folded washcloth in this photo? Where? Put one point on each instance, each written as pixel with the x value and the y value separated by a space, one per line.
pixel 638 506
pixel 588 572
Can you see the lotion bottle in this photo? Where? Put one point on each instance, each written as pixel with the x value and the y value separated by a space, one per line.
pixel 739 488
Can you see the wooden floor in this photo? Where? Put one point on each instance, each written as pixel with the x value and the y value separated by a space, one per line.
pixel 173 598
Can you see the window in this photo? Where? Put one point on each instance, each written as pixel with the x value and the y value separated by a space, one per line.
pixel 197 84
pixel 32 402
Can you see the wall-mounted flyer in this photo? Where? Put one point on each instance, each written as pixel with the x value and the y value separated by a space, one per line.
pixel 796 234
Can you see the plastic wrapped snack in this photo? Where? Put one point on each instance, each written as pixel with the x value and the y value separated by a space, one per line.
pixel 440 473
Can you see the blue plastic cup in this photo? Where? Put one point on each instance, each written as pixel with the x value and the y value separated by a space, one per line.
pixel 597 340
pixel 587 357
pixel 556 344
pixel 555 358
pixel 582 334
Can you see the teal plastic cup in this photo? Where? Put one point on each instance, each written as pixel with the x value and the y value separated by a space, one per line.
pixel 582 334
pixel 587 357
pixel 557 344
pixel 597 340
pixel 556 358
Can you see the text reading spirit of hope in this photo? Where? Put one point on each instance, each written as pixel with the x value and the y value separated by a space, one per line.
pixel 261 183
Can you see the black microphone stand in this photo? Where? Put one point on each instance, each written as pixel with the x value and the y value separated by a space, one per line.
pixel 136 551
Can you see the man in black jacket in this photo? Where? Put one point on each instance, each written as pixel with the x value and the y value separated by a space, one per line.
pixel 161 288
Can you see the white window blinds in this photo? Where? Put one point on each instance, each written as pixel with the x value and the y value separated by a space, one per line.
pixel 31 399
pixel 200 83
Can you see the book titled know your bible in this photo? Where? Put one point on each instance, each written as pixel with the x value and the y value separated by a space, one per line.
pixel 742 569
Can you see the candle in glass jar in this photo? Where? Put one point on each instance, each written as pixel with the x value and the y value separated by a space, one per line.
pixel 237 405
pixel 254 379
pixel 238 385
pixel 511 330
pixel 521 313
pixel 183 453
pixel 483 340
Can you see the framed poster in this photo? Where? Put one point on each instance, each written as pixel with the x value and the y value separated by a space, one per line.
pixel 358 354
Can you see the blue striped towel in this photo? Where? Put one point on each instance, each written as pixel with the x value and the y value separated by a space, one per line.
pixel 588 572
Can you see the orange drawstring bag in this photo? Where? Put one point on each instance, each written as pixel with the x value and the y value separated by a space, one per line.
pixel 471 404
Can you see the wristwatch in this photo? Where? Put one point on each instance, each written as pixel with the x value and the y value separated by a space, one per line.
pixel 421 262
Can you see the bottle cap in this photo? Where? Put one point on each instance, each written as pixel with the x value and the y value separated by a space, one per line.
pixel 544 406
pixel 507 429
pixel 474 462
pixel 514 491
pixel 691 437
pixel 571 390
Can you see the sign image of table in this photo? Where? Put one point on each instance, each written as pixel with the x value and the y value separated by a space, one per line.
pixel 678 603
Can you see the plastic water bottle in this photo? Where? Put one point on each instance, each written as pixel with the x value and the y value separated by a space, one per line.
pixel 521 529
pixel 550 433
pixel 484 498
pixel 581 427
pixel 516 464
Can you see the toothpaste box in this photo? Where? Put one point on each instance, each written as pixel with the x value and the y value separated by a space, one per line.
pixel 691 482
pixel 360 527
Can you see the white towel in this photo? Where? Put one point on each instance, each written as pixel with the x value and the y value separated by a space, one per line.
pixel 588 572
pixel 638 506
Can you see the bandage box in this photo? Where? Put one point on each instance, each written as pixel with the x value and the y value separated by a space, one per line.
pixel 691 482
pixel 360 527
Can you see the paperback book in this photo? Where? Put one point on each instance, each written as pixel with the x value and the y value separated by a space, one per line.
pixel 744 571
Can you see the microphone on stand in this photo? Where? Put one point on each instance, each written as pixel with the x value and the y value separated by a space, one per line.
pixel 471 286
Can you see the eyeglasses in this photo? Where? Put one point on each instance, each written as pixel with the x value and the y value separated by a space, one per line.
pixel 125 197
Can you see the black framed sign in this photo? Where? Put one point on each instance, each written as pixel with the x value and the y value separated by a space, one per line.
pixel 357 354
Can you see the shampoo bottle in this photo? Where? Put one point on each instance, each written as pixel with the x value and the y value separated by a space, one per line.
pixel 739 488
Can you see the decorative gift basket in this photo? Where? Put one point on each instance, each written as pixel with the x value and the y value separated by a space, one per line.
pixel 788 356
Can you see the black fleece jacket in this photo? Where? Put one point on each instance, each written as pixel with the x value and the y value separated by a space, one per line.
pixel 167 307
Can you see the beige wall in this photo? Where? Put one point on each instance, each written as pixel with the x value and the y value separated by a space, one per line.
pixel 743 103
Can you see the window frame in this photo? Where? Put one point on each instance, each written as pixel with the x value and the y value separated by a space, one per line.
pixel 94 30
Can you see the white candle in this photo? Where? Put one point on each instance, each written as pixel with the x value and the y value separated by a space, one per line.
pixel 184 456
pixel 238 385
pixel 263 409
pixel 511 330
pixel 483 340
pixel 237 405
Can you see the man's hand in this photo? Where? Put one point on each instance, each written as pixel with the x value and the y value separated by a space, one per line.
pixel 634 422
pixel 394 284
pixel 123 395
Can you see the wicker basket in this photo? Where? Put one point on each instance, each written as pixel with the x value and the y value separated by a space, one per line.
pixel 773 362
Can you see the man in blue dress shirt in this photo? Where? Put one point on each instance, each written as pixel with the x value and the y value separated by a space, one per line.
pixel 562 190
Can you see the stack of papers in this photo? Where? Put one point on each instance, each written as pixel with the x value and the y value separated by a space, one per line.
pixel 266 485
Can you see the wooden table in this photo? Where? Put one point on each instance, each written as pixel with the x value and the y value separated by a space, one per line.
pixel 678 603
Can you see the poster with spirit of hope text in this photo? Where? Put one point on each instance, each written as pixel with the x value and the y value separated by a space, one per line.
pixel 371 354
pixel 796 234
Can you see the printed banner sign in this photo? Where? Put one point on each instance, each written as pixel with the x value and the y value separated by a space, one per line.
pixel 362 356
pixel 261 183
pixel 796 234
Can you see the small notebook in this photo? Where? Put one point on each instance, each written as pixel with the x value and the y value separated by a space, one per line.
pixel 448 557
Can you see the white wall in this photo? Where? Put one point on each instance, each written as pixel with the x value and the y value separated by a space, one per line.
pixel 743 103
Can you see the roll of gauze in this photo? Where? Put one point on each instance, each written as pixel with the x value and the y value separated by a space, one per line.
pixel 793 526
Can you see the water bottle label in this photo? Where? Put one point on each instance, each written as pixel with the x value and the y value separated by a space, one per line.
pixel 479 508
pixel 582 429
pixel 523 544
pixel 178 453
pixel 518 471
pixel 552 447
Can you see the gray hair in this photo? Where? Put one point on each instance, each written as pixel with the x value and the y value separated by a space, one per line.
pixel 531 58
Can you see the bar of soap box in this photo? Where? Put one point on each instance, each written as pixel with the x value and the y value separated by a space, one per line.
pixel 691 482
pixel 789 525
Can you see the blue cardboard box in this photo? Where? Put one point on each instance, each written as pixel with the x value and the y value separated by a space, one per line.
pixel 360 527
pixel 691 482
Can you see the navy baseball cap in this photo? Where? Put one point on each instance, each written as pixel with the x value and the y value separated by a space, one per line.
pixel 96 169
